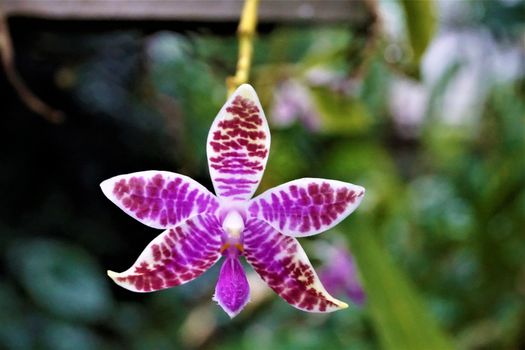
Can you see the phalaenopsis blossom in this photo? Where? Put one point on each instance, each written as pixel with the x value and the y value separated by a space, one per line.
pixel 200 228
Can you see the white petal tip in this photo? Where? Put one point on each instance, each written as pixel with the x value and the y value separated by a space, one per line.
pixel 107 187
pixel 342 305
pixel 246 90
pixel 230 313
pixel 361 191
pixel 112 274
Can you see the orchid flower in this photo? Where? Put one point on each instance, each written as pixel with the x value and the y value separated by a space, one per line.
pixel 200 228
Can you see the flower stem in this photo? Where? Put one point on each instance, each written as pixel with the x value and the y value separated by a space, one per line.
pixel 245 33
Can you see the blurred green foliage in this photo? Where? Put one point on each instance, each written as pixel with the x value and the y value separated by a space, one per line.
pixel 438 239
pixel 421 23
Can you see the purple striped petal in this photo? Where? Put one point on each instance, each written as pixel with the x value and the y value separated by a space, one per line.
pixel 283 265
pixel 176 256
pixel 232 291
pixel 238 146
pixel 307 206
pixel 159 199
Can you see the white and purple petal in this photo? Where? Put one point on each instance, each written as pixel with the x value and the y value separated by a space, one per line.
pixel 232 291
pixel 159 199
pixel 306 206
pixel 176 256
pixel 238 146
pixel 283 265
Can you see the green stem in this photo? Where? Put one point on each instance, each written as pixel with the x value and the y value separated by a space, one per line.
pixel 245 33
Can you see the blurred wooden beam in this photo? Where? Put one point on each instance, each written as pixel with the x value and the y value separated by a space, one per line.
pixel 276 11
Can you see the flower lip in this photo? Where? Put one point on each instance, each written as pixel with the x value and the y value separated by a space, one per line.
pixel 232 291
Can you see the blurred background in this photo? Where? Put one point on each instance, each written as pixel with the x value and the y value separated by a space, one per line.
pixel 421 102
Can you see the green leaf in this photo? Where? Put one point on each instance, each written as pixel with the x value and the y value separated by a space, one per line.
pixel 59 335
pixel 61 279
pixel 399 315
pixel 421 22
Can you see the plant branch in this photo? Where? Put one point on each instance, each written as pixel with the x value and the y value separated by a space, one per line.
pixel 28 98
pixel 245 33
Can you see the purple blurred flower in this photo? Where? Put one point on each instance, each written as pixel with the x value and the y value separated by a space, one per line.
pixel 339 274
pixel 408 104
pixel 292 102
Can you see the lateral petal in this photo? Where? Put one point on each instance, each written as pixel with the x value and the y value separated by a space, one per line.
pixel 306 206
pixel 238 146
pixel 176 256
pixel 283 265
pixel 232 291
pixel 159 199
